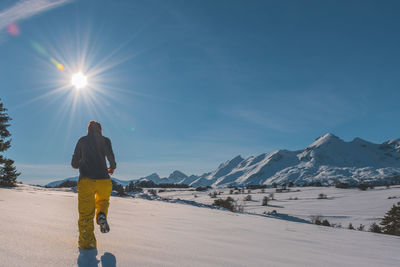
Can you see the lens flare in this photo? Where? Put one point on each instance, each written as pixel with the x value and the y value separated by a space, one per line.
pixel 79 80
pixel 13 29
pixel 57 64
pixel 40 49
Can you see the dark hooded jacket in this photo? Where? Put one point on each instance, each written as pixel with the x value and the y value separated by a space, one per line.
pixel 89 156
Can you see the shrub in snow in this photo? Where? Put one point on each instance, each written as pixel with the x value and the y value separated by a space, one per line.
pixel 362 187
pixel 322 196
pixel 203 188
pixel 227 203
pixel 342 185
pixel 256 186
pixel 316 219
pixel 230 192
pixel 361 227
pixel 239 207
pixel 325 223
pixel 271 196
pixel 375 228
pixel 132 187
pixel 270 212
pixel 152 192
pixel 263 191
pixel 317 184
pixel 391 222
pixel 265 201
pixel 351 227
pixel 118 188
pixel 249 191
pixel 291 184
pixel 247 198
pixel 213 194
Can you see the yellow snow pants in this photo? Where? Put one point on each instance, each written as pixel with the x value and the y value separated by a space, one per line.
pixel 93 198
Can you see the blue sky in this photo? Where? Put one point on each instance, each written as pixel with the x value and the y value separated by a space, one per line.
pixel 189 84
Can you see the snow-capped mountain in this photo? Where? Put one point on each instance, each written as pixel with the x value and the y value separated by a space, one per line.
pixel 327 160
pixel 174 178
pixel 75 179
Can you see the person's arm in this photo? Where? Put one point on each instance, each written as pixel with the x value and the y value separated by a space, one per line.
pixel 110 154
pixel 76 158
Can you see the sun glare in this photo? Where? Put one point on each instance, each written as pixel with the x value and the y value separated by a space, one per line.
pixel 79 80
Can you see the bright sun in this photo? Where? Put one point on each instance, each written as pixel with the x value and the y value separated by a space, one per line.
pixel 79 80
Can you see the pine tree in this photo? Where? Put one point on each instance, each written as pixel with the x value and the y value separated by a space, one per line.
pixel 391 222
pixel 8 173
pixel 375 228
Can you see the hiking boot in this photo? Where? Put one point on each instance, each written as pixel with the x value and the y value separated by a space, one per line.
pixel 102 221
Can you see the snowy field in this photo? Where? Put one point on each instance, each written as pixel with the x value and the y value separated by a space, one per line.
pixel 340 207
pixel 39 228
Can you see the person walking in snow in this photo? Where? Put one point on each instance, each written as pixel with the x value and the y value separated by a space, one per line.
pixel 94 185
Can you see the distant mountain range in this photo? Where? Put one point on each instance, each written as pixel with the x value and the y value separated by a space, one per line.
pixel 327 160
pixel 75 179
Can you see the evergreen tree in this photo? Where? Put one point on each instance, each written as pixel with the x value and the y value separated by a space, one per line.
pixel 375 228
pixel 391 222
pixel 8 173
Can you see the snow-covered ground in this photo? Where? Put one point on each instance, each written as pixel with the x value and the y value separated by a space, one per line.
pixel 342 206
pixel 39 228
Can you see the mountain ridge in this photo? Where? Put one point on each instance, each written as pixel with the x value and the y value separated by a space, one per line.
pixel 328 160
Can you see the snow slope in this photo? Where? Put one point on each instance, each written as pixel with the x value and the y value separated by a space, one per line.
pixel 39 228
pixel 341 206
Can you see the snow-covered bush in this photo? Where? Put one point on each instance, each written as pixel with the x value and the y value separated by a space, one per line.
pixel 316 219
pixel 227 203
pixel 265 201
pixel 239 207
pixel 325 223
pixel 248 198
pixel 152 192
pixel 213 194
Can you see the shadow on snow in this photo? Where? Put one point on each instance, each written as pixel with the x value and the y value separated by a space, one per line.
pixel 88 258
